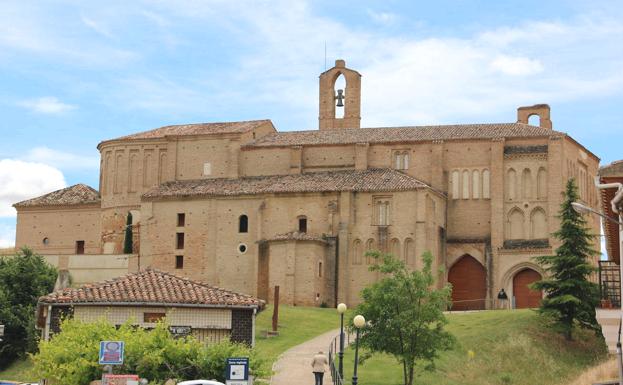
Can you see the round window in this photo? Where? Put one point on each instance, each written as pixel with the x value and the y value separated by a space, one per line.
pixel 45 241
pixel 242 248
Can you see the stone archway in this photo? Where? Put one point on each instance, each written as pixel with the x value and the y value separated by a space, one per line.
pixel 523 295
pixel 469 284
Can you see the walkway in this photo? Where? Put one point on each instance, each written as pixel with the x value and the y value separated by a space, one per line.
pixel 294 366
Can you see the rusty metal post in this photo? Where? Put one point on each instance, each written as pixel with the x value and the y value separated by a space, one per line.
pixel 276 309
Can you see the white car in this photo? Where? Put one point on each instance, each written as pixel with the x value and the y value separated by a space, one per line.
pixel 200 382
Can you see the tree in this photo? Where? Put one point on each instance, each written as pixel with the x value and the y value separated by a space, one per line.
pixel 23 279
pixel 570 298
pixel 127 244
pixel 405 314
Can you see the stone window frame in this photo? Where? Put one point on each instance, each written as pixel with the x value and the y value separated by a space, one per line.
pixel 382 216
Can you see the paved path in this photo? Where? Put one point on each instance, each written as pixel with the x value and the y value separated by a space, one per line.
pixel 294 366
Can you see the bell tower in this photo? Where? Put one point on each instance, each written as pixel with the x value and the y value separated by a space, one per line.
pixel 332 99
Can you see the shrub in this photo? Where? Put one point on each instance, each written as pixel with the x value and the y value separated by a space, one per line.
pixel 71 357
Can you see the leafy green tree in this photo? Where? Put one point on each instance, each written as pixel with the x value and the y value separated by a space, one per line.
pixel 405 314
pixel 71 356
pixel 24 277
pixel 127 243
pixel 570 298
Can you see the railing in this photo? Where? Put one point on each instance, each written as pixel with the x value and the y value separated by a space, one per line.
pixel 481 304
pixel 610 284
pixel 333 356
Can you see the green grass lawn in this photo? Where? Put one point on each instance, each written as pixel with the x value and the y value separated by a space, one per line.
pixel 18 371
pixel 296 325
pixel 510 347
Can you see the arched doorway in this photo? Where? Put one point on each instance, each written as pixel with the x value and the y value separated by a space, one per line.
pixel 524 296
pixel 469 284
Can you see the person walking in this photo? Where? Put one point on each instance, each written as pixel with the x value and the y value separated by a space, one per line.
pixel 319 365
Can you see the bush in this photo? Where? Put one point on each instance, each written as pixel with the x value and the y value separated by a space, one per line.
pixel 71 357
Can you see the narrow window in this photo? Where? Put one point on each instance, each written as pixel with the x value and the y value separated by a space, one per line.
pixel 179 261
pixel 79 247
pixel 207 168
pixel 302 224
pixel 153 317
pixel 383 213
pixel 46 241
pixel 319 269
pixel 181 220
pixel 405 161
pixel 179 242
pixel 243 224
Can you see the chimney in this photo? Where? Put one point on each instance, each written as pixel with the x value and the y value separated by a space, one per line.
pixel 541 110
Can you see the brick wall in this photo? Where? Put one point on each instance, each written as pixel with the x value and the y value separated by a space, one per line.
pixel 242 326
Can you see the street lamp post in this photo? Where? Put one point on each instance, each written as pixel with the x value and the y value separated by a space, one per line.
pixel 341 309
pixel 359 322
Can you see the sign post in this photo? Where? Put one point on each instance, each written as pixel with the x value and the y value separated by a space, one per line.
pixel 237 371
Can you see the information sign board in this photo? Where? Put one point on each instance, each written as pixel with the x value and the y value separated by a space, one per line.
pixel 237 371
pixel 111 352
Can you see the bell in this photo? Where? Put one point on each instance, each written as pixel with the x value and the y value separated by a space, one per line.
pixel 340 98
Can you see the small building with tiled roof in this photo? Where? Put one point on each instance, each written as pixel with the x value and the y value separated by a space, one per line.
pixel 207 312
pixel 243 206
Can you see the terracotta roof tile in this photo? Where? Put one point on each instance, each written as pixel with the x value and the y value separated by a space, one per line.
pixel 328 181
pixel 402 134
pixel 198 129
pixel 78 194
pixel 152 287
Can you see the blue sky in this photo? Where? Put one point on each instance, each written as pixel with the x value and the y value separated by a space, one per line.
pixel 75 73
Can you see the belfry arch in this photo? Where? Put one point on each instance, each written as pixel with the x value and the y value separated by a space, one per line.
pixel 350 97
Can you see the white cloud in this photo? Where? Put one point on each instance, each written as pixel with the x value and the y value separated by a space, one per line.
pixel 520 66
pixel 60 159
pixel 21 180
pixel 385 18
pixel 406 79
pixel 97 27
pixel 47 105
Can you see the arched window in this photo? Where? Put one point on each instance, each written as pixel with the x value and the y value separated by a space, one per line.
pixel 515 224
pixel 133 173
pixel 527 183
pixel 401 160
pixel 370 245
pixel 465 184
pixel 486 184
pixel 395 248
pixel 538 224
pixel 541 184
pixel 162 168
pixel 340 84
pixel 455 184
pixel 410 252
pixel 475 184
pixel 356 253
pixel 243 224
pixel 511 184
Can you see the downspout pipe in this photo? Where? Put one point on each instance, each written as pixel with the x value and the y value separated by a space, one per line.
pixel 618 197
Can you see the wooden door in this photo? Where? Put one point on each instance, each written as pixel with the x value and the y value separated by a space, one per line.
pixel 469 284
pixel 524 296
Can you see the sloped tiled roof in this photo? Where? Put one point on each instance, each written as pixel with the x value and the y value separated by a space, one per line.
pixel 198 129
pixel 402 134
pixel 328 181
pixel 78 194
pixel 296 236
pixel 151 287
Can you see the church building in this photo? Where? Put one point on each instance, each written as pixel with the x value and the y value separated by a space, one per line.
pixel 245 207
